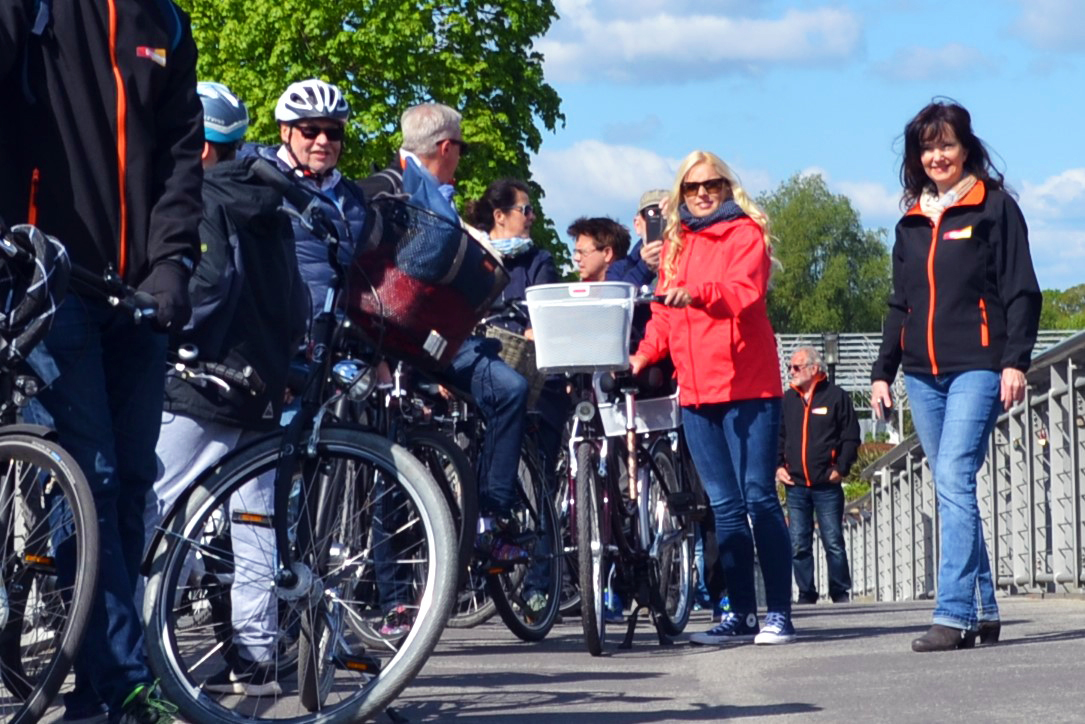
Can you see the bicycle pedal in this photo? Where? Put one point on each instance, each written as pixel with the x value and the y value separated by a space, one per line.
pixel 361 663
pixel 682 502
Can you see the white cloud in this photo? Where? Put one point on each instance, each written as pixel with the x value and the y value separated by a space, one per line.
pixel 1060 196
pixel 1058 255
pixel 1052 24
pixel 876 204
pixel 920 64
pixel 607 40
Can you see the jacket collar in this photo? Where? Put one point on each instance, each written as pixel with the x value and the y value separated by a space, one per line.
pixel 820 381
pixel 974 197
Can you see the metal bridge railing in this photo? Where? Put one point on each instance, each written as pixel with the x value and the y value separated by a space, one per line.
pixel 1030 497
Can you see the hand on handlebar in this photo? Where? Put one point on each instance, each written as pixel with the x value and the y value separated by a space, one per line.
pixel 166 289
pixel 636 364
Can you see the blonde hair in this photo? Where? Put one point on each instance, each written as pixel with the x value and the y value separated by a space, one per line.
pixel 673 231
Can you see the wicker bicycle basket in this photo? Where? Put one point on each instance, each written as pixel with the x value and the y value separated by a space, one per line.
pixel 518 352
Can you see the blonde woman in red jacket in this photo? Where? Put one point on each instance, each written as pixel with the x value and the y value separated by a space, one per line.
pixel 714 324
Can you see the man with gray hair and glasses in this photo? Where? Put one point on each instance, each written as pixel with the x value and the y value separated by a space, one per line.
pixel 819 442
pixel 433 144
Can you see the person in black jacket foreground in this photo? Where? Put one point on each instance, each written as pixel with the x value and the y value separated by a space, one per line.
pixel 819 442
pixel 100 147
pixel 962 322
pixel 249 312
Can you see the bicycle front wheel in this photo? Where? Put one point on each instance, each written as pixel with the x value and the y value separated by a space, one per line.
pixel 369 529
pixel 48 570
pixel 591 545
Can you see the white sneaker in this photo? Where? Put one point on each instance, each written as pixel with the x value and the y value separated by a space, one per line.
pixel 777 630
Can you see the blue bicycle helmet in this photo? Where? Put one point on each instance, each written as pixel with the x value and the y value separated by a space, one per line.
pixel 225 118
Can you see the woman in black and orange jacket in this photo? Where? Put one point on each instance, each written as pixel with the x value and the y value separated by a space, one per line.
pixel 962 322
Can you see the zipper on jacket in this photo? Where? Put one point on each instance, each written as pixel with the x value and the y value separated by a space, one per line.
pixel 32 211
pixel 805 435
pixel 985 335
pixel 122 143
pixel 931 301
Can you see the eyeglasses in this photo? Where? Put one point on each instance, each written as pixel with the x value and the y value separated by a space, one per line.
pixel 584 252
pixel 525 209
pixel 311 133
pixel 713 186
pixel 799 368
pixel 462 145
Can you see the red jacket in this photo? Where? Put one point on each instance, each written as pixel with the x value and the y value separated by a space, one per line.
pixel 722 344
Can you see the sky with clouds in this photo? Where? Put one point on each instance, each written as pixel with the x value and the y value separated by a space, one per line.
pixel 784 87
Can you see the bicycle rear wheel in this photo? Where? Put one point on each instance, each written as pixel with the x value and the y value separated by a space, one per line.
pixel 48 570
pixel 514 589
pixel 672 543
pixel 370 526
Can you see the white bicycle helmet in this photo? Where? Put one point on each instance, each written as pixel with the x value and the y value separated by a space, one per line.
pixel 312 98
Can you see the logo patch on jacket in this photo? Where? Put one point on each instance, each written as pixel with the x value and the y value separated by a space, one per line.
pixel 158 55
pixel 819 411
pixel 965 233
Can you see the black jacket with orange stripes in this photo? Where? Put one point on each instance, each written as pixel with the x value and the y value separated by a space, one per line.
pixel 965 295
pixel 101 130
pixel 818 436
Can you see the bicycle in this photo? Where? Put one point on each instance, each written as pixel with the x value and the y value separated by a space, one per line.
pixel 48 523
pixel 349 513
pixel 633 541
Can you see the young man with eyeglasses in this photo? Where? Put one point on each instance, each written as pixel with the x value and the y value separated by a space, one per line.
pixel 819 442
pixel 598 243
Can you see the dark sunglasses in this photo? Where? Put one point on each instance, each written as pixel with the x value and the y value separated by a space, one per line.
pixel 462 145
pixel 799 368
pixel 311 133
pixel 713 186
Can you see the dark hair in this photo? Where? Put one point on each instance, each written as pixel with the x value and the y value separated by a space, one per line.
pixel 224 151
pixel 604 232
pixel 500 194
pixel 927 126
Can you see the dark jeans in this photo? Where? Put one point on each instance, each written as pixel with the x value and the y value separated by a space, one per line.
pixel 733 445
pixel 501 393
pixel 106 380
pixel 827 502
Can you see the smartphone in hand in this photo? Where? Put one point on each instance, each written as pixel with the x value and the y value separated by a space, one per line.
pixel 653 224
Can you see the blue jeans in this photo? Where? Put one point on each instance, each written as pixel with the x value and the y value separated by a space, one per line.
pixel 827 502
pixel 733 445
pixel 501 393
pixel 954 415
pixel 106 378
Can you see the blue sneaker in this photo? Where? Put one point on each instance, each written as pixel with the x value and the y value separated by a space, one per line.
pixel 614 609
pixel 732 628
pixel 777 630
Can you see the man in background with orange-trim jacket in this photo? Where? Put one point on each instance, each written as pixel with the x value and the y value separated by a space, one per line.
pixel 100 144
pixel 819 442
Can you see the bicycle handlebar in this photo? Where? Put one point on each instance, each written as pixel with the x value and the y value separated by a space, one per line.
pixel 305 202
pixel 109 286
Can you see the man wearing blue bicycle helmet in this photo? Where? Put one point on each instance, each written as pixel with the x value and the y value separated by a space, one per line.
pixel 249 307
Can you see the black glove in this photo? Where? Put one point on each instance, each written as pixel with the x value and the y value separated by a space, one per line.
pixel 167 284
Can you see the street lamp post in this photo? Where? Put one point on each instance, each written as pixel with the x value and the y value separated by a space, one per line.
pixel 830 346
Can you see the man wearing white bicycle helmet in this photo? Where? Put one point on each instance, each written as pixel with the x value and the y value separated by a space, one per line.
pixel 312 116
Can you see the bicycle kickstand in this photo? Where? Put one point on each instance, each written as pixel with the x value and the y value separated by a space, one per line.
pixel 627 642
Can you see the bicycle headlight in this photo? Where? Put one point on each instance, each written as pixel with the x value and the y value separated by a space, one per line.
pixel 355 377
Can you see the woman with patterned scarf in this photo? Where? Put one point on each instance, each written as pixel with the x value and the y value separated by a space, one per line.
pixel 962 322
pixel 714 323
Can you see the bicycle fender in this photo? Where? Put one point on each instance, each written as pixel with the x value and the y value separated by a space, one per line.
pixel 26 428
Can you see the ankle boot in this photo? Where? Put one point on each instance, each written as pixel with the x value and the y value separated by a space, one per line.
pixel 944 638
pixel 989 631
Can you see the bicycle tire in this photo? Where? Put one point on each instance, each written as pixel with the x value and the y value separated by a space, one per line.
pixel 363 470
pixel 453 471
pixel 591 549
pixel 535 511
pixel 565 507
pixel 672 542
pixel 38 515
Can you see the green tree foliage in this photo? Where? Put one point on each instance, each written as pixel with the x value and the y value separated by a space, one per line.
pixel 1064 309
pixel 836 275
pixel 387 55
